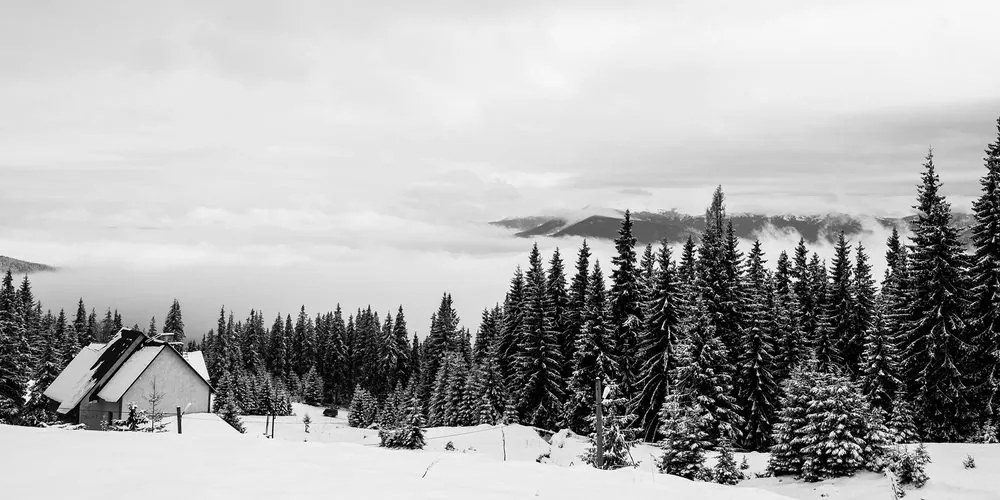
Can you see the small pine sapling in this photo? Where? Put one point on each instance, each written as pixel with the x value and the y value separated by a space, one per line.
pixel 725 471
pixel 969 462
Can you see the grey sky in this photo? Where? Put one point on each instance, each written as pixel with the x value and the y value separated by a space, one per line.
pixel 164 134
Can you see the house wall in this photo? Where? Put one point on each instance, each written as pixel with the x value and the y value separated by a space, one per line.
pixel 177 381
pixel 94 413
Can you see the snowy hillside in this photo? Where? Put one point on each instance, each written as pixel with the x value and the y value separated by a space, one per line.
pixel 57 463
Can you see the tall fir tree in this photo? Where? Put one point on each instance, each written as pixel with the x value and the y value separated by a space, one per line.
pixel 658 345
pixel 756 386
pixel 539 364
pixel 592 356
pixel 15 354
pixel 863 291
pixel 984 275
pixel 175 321
pixel 705 376
pixel 937 346
pixel 839 344
pixel 626 306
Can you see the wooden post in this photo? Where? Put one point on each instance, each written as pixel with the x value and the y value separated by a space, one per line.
pixel 111 418
pixel 503 438
pixel 179 420
pixel 273 425
pixel 267 422
pixel 599 422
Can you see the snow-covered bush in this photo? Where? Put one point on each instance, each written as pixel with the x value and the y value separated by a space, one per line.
pixel 410 435
pixel 909 466
pixel 364 408
pixel 987 434
pixel 136 421
pixel 969 462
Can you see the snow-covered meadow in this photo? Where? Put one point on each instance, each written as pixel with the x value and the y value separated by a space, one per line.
pixel 211 461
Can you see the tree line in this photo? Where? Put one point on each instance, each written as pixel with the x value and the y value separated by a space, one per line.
pixel 715 332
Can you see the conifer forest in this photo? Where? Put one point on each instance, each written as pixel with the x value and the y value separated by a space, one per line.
pixel 712 346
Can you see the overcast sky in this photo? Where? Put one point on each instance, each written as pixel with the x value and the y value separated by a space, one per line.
pixel 173 135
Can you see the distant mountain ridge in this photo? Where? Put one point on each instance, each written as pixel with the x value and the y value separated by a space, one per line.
pixel 18 266
pixel 675 227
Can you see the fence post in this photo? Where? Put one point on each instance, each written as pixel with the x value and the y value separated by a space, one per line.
pixel 599 423
pixel 179 420
pixel 111 418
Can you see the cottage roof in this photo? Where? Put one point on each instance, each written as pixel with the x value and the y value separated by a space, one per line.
pixel 129 372
pixel 111 369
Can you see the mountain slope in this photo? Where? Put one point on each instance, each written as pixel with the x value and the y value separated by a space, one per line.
pixel 675 227
pixel 17 266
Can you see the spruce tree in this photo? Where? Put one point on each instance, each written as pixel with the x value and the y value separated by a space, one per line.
pixel 510 336
pixel 684 439
pixel 985 286
pixel 756 388
pixel 937 347
pixel 704 375
pixel 577 308
pixel 175 321
pixel 839 344
pixel 625 297
pixel 658 345
pixel 863 291
pixel 593 355
pixel 718 275
pixel 879 364
pixel 561 314
pixel 15 359
pixel 539 367
pixel 83 335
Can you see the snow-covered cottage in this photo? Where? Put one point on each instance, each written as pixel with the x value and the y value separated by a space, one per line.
pixel 103 379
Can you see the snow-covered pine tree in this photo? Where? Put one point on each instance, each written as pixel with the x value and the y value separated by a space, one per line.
pixel 577 309
pixel 826 429
pixel 718 276
pixel 616 446
pixel 937 346
pixel 879 363
pixel 839 344
pixel 788 436
pixel 704 375
pixel 510 333
pixel 658 345
pixel 985 287
pixel 175 321
pixel 559 302
pixel 756 388
pixel 15 359
pixel 539 367
pixel 805 292
pixel 901 420
pixel 625 297
pixel 687 275
pixel 684 439
pixel 455 389
pixel 725 470
pixel 592 355
pixel 312 388
pixel 791 348
pixel 80 327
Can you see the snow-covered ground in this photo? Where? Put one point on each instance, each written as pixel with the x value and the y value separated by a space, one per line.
pixel 949 480
pixel 56 463
pixel 333 459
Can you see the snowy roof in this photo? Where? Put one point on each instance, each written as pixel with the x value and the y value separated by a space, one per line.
pixel 112 368
pixel 91 365
pixel 197 361
pixel 129 371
